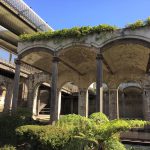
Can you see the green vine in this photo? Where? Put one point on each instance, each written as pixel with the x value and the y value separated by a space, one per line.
pixel 75 32
pixel 78 32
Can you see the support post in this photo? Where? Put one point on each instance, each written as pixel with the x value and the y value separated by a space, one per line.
pixel 10 57
pixel 146 102
pixel 83 102
pixel 8 98
pixel 16 84
pixel 54 112
pixel 113 104
pixel 99 82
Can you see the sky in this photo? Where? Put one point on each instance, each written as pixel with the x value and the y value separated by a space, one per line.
pixel 61 14
pixel 69 13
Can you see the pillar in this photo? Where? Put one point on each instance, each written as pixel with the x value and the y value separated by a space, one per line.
pixel 8 98
pixel 59 103
pixel 123 105
pixel 146 102
pixel 113 104
pixel 16 84
pixel 30 95
pixel 38 102
pixel 54 108
pixel 99 82
pixel 83 102
pixel 71 105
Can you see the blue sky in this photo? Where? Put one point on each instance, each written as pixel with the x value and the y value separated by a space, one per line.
pixel 68 13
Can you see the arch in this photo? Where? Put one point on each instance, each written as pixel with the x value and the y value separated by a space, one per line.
pixel 92 98
pixel 68 98
pixel 131 101
pixel 37 97
pixel 66 47
pixel 134 38
pixel 3 91
pixel 25 51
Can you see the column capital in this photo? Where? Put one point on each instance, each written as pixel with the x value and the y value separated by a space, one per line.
pixel 17 61
pixel 99 56
pixel 55 59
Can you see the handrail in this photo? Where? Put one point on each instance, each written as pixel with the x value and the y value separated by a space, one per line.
pixel 25 11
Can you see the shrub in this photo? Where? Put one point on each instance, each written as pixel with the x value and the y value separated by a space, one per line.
pixel 8 124
pixel 8 147
pixel 137 24
pixel 75 32
pixel 99 117
pixel 43 137
pixel 147 22
pixel 113 144
pixel 74 132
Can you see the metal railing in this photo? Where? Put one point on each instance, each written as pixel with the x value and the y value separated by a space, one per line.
pixel 24 67
pixel 25 11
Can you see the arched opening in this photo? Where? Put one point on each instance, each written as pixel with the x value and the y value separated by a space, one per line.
pixel 2 96
pixel 92 98
pixel 130 101
pixel 22 95
pixel 41 104
pixel 69 99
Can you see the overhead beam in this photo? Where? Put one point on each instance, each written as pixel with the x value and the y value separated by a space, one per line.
pixel 9 41
pixel 19 17
pixel 36 67
pixel 148 65
pixel 107 65
pixel 71 67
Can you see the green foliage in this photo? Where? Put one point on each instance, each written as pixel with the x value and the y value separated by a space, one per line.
pixel 113 144
pixel 74 132
pixel 99 117
pixel 79 32
pixel 147 22
pixel 137 24
pixel 8 147
pixel 75 32
pixel 44 137
pixel 8 124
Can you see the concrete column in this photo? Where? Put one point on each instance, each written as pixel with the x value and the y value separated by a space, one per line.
pixel 146 102
pixel 8 98
pixel 99 82
pixel 30 98
pixel 10 57
pixel 54 112
pixel 113 104
pixel 83 102
pixel 123 105
pixel 30 94
pixel 71 105
pixel 16 85
pixel 58 107
pixel 38 102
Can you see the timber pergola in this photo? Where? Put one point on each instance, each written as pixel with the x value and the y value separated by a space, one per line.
pixel 106 57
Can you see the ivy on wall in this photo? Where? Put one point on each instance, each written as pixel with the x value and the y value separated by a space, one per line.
pixel 78 32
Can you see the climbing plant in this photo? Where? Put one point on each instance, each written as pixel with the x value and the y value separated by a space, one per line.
pixel 78 32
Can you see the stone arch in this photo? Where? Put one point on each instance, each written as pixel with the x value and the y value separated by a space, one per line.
pixel 131 100
pixel 67 47
pixel 35 48
pixel 68 98
pixel 36 97
pixel 92 98
pixel 134 38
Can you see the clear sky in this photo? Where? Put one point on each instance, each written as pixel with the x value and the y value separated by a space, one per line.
pixel 68 13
